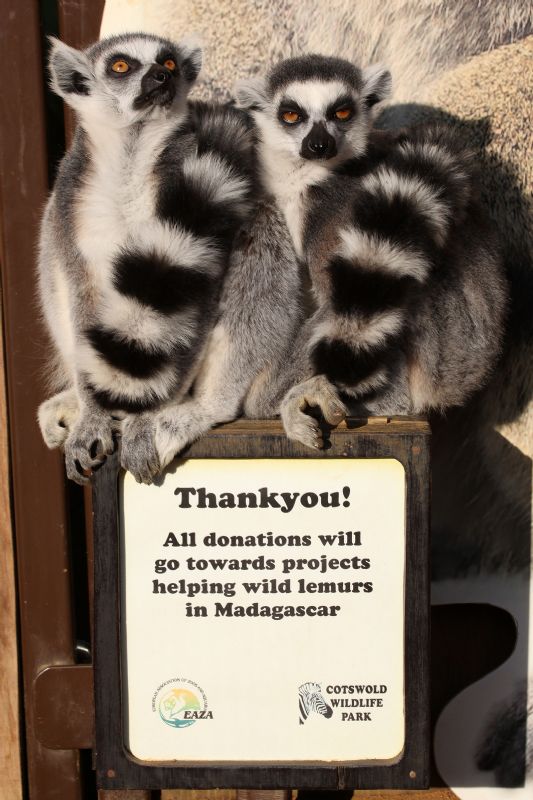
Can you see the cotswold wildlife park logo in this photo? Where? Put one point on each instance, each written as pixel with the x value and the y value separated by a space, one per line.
pixel 180 703
pixel 311 701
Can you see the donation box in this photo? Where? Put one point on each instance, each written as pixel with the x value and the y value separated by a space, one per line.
pixel 261 613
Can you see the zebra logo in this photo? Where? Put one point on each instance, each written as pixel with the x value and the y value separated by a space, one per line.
pixel 311 700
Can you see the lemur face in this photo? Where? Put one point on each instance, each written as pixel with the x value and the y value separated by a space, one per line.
pixel 125 79
pixel 321 119
pixel 315 108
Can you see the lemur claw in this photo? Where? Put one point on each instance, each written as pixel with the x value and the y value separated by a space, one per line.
pixel 88 445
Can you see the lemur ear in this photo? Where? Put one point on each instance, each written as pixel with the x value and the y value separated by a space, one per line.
pixel 377 84
pixel 251 94
pixel 70 70
pixel 192 55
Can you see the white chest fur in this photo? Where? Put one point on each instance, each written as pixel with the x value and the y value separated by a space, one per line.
pixel 118 197
pixel 288 183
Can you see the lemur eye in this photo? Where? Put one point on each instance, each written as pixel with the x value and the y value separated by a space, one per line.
pixel 120 66
pixel 170 64
pixel 290 117
pixel 343 113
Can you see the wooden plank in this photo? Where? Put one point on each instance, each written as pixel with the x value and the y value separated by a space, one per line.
pixel 37 475
pixel 263 794
pixel 126 794
pixel 428 794
pixel 197 794
pixel 10 766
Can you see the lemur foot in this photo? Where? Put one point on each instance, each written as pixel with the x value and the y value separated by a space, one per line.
pixel 170 439
pixel 138 450
pixel 88 444
pixel 301 427
pixel 56 416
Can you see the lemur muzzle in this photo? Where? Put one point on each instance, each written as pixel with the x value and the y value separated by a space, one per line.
pixel 157 87
pixel 318 143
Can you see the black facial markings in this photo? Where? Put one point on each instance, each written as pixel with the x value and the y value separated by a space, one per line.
pixel 341 364
pixel 343 102
pixel 288 105
pixel 313 67
pixel 164 55
pixel 133 64
pixel 126 355
pixel 155 282
pixel 319 143
pixel 356 288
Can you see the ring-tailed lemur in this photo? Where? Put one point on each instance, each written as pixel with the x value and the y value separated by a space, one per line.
pixel 136 236
pixel 406 273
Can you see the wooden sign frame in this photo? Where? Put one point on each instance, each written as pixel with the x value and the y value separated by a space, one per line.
pixel 402 438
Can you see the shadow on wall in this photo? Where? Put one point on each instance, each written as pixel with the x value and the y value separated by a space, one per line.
pixel 482 475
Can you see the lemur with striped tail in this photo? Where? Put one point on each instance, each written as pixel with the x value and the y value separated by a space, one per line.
pixel 407 281
pixel 136 236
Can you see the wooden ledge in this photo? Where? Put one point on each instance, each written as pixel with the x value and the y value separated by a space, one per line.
pixel 364 425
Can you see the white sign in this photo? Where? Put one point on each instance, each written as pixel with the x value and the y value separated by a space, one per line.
pixel 263 612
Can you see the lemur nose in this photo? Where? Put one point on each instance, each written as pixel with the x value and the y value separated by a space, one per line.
pixel 156 77
pixel 318 143
pixel 318 147
pixel 161 76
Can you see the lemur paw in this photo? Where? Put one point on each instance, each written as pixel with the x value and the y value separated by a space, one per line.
pixel 138 450
pixel 315 392
pixel 88 444
pixel 56 416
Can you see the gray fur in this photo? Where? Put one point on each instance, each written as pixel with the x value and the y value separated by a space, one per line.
pixel 430 366
pixel 129 272
pixel 261 311
pixel 436 338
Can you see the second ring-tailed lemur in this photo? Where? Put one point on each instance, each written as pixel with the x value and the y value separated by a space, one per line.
pixel 406 274
pixel 136 235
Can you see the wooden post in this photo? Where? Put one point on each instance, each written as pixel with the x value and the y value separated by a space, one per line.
pixel 10 766
pixel 45 611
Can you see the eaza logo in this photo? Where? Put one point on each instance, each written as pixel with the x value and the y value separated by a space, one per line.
pixel 180 703
pixel 311 701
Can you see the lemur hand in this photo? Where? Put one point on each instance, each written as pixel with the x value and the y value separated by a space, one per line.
pixel 138 451
pixel 88 444
pixel 301 427
pixel 56 416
